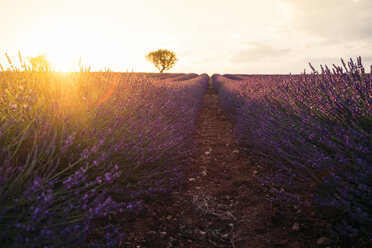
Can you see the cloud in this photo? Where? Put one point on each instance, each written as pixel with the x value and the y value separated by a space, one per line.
pixel 254 51
pixel 336 20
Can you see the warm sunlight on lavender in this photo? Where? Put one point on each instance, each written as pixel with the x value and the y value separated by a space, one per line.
pixel 186 124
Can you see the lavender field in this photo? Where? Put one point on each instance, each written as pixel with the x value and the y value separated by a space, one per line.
pixel 76 147
pixel 82 148
pixel 186 124
pixel 313 134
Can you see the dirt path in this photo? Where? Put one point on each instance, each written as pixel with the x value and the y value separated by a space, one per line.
pixel 220 205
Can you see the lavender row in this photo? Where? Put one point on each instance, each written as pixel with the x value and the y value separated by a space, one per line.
pixel 80 146
pixel 313 133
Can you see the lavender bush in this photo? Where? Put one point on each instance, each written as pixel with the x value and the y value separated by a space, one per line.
pixel 314 133
pixel 75 147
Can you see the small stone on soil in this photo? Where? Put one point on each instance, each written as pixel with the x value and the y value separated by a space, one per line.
pixel 323 241
pixel 296 227
pixel 225 236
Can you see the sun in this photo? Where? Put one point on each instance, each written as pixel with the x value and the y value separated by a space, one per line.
pixel 62 62
pixel 63 45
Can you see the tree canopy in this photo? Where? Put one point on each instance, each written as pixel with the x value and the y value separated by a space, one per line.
pixel 162 59
pixel 39 63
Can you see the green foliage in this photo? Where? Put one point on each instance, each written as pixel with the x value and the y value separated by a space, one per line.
pixel 162 59
pixel 39 63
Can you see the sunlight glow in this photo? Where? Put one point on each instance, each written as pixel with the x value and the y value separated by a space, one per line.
pixel 207 36
pixel 59 43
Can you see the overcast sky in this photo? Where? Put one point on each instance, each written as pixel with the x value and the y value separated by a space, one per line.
pixel 212 36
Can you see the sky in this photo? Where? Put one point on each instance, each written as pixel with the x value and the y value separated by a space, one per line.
pixel 208 36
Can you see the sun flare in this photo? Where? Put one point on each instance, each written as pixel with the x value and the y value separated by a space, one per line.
pixel 63 44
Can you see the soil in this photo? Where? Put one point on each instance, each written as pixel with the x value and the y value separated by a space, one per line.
pixel 221 204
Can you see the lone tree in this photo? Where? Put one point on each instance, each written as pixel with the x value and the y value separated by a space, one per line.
pixel 39 63
pixel 163 59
